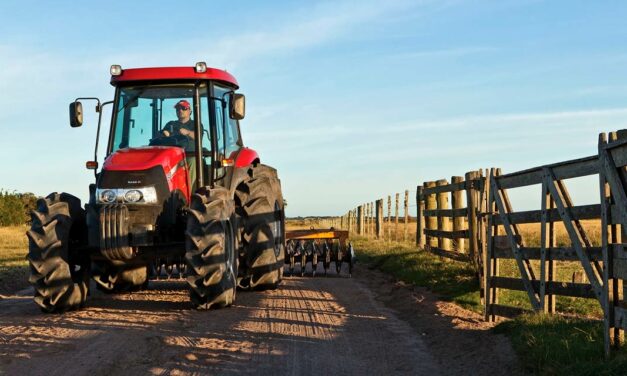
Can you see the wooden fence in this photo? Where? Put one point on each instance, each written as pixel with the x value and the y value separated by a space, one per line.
pixel 471 219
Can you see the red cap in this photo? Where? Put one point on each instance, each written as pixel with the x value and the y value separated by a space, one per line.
pixel 182 103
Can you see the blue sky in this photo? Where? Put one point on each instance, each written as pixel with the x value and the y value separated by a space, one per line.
pixel 350 100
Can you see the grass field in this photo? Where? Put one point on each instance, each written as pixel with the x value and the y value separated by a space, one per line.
pixel 13 264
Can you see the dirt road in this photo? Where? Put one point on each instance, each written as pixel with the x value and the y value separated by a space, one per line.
pixel 306 326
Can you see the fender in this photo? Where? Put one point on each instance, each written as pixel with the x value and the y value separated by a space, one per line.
pixel 245 157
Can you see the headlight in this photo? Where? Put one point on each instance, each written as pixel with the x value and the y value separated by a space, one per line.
pixel 143 195
pixel 133 196
pixel 149 194
pixel 108 196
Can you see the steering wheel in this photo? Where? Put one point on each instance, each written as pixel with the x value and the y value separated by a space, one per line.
pixel 173 140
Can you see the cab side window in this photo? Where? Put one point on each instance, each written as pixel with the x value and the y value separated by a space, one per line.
pixel 232 130
pixel 228 135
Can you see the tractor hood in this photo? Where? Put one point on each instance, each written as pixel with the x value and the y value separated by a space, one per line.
pixel 133 159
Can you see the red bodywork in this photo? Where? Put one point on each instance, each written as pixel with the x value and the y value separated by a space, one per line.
pixel 173 73
pixel 245 157
pixel 137 159
pixel 143 158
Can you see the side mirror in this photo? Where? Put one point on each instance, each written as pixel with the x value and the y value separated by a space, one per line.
pixel 76 114
pixel 238 106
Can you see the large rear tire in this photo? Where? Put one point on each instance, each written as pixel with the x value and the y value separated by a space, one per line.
pixel 278 226
pixel 260 207
pixel 58 272
pixel 211 249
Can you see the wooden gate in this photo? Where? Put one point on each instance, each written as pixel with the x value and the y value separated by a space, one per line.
pixel 556 206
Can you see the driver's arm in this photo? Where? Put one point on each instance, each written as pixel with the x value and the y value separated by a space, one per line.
pixel 168 130
pixel 187 132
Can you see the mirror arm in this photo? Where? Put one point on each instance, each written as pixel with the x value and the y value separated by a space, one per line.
pixel 99 107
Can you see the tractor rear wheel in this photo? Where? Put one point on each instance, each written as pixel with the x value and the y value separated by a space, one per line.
pixel 278 225
pixel 261 211
pixel 58 272
pixel 211 249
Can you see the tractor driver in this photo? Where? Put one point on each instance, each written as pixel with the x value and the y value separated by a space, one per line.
pixel 184 125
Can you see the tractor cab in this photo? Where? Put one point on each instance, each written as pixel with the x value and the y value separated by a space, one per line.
pixel 173 130
pixel 147 120
pixel 192 109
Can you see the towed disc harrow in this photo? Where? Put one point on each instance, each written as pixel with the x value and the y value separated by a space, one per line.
pixel 318 246
pixel 168 268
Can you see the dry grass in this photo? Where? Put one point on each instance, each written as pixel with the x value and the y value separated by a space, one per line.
pixel 565 271
pixel 531 233
pixel 13 264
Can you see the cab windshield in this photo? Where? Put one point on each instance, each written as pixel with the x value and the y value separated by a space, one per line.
pixel 144 114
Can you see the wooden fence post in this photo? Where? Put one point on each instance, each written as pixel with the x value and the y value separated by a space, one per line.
pixel 370 232
pixel 420 219
pixel 379 231
pixel 547 244
pixel 366 219
pixel 371 219
pixel 360 220
pixel 396 220
pixel 492 264
pixel 406 207
pixel 444 223
pixel 431 221
pixel 458 221
pixel 348 221
pixel 472 208
pixel 389 218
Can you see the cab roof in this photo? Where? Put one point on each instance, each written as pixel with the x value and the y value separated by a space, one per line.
pixel 173 73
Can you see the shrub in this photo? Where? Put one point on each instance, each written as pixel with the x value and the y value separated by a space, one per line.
pixel 15 207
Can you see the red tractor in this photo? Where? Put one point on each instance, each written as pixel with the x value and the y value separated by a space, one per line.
pixel 176 189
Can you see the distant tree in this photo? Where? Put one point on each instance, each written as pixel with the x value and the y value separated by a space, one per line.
pixel 29 202
pixel 15 207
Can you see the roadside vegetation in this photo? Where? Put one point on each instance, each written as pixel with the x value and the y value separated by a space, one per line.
pixel 14 219
pixel 13 264
pixel 569 343
pixel 15 207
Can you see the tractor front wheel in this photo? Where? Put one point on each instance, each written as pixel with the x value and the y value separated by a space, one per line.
pixel 211 249
pixel 59 273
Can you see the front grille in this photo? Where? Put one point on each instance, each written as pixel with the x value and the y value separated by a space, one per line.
pixel 114 232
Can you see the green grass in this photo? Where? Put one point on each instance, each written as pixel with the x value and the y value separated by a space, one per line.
pixel 558 345
pixel 13 264
pixel 453 280
pixel 564 304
